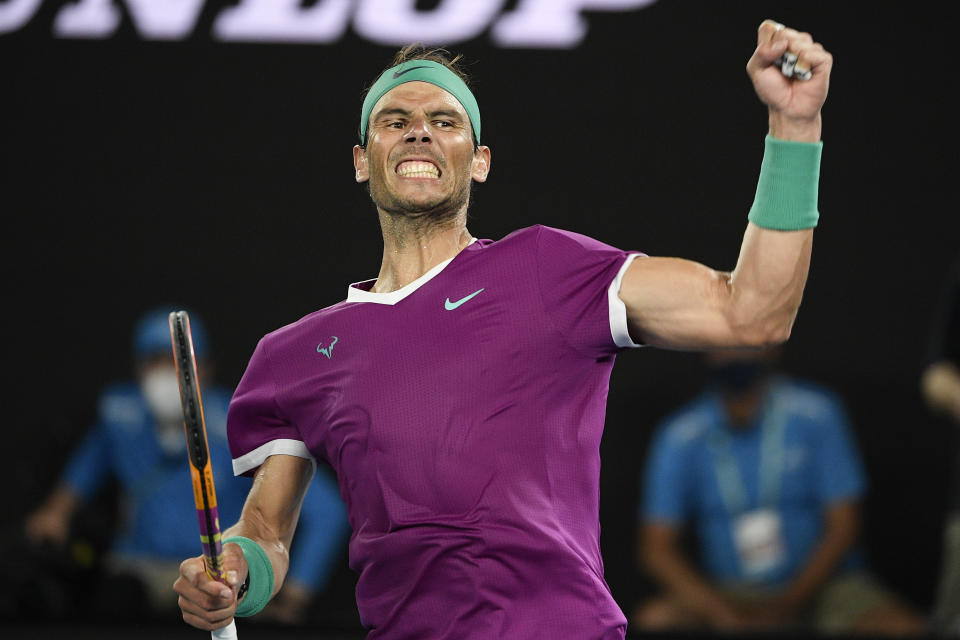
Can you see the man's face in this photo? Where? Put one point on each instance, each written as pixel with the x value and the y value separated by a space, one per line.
pixel 419 156
pixel 741 377
pixel 160 388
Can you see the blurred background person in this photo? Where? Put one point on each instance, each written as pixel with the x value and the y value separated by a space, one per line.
pixel 766 472
pixel 940 384
pixel 138 442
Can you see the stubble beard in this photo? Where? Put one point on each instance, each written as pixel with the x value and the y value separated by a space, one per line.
pixel 417 215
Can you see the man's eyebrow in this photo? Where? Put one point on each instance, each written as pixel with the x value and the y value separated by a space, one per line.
pixel 447 113
pixel 398 111
pixel 395 111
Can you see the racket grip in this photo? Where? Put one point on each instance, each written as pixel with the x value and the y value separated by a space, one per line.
pixel 228 632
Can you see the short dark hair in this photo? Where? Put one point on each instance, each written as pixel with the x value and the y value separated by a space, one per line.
pixel 417 51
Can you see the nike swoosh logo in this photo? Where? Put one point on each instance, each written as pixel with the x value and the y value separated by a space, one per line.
pixel 397 74
pixel 450 306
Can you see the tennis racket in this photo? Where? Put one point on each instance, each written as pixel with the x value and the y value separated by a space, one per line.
pixel 201 471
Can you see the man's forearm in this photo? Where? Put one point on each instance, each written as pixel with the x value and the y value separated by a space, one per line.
pixel 840 534
pixel 771 271
pixel 794 130
pixel 766 286
pixel 272 509
pixel 682 580
pixel 51 521
pixel 64 499
pixel 278 552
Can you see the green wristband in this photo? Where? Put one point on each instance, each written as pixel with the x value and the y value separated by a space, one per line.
pixel 259 575
pixel 786 197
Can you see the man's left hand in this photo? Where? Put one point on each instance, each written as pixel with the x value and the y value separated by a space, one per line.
pixel 795 103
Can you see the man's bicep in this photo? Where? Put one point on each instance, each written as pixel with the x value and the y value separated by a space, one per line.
pixel 676 303
pixel 661 533
pixel 842 519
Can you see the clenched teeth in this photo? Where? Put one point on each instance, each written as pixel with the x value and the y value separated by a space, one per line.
pixel 417 169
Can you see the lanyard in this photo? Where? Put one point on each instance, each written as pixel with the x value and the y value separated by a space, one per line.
pixel 733 491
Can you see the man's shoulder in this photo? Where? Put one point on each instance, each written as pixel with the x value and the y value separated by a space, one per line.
pixel 307 324
pixel 545 233
pixel 122 404
pixel 552 245
pixel 542 232
pixel 807 398
pixel 518 236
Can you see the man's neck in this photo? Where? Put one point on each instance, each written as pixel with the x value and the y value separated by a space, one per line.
pixel 744 408
pixel 412 247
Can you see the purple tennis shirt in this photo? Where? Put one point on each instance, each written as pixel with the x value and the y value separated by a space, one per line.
pixel 462 415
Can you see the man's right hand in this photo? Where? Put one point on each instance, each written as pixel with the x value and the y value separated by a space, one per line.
pixel 205 602
pixel 47 525
pixel 726 618
pixel 51 522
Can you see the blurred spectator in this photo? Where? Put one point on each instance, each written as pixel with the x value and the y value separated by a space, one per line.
pixel 941 390
pixel 138 441
pixel 765 470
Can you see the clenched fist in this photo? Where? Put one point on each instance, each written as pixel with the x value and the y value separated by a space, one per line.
pixel 205 602
pixel 794 103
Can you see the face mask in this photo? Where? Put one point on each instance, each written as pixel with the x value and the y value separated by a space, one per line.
pixel 162 391
pixel 736 377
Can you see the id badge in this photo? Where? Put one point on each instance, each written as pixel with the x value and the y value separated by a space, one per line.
pixel 758 537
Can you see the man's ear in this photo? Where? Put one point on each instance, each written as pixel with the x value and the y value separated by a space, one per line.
pixel 360 164
pixel 481 164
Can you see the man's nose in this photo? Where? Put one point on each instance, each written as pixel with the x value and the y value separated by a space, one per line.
pixel 419 131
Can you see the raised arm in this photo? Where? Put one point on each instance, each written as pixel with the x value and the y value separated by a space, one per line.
pixel 681 304
pixel 269 519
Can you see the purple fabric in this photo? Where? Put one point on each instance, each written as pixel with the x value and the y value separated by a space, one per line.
pixel 465 441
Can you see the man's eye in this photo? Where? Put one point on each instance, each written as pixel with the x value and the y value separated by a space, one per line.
pixel 395 124
pixel 443 123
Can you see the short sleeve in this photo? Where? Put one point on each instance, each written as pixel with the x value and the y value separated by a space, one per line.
pixel 840 474
pixel 579 280
pixel 256 428
pixel 666 478
pixel 119 408
pixel 89 464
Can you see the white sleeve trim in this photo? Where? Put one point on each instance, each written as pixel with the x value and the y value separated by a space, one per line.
pixel 282 446
pixel 618 310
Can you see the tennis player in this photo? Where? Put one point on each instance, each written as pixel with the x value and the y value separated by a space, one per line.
pixel 460 395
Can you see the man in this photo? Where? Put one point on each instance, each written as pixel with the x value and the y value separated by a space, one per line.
pixel 460 395
pixel 765 470
pixel 940 385
pixel 138 440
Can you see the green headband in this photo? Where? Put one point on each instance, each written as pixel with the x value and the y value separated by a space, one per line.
pixel 421 71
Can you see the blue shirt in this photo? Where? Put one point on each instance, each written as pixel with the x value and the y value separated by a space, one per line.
pixel 820 467
pixel 159 517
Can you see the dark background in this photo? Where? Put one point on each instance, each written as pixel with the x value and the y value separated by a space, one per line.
pixel 218 176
